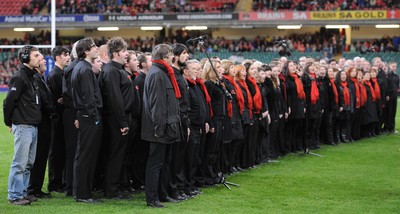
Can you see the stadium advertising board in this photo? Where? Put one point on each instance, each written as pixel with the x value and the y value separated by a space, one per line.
pixel 320 15
pixel 44 19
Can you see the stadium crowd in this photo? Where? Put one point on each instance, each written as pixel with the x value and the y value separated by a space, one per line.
pixel 117 121
pixel 332 44
pixel 133 7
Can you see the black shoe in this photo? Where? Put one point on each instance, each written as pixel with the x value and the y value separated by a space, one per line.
pixel 42 194
pixel 119 197
pixel 20 201
pixel 178 197
pixel 169 200
pixel 55 189
pixel 155 204
pixel 88 200
pixel 30 198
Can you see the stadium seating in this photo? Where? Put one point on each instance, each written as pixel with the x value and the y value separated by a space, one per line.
pixel 12 7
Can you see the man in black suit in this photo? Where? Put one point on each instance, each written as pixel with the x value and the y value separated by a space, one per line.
pixel 57 144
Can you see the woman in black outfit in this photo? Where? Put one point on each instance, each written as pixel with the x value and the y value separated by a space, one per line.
pixel 236 121
pixel 354 123
pixel 326 94
pixel 313 105
pixel 247 116
pixel 332 105
pixel 344 105
pixel 214 138
pixel 262 151
pixel 296 100
pixel 369 114
pixel 276 109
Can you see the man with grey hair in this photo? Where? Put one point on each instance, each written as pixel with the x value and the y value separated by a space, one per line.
pixel 160 122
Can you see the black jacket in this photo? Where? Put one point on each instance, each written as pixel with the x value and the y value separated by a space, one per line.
pixel 295 104
pixel 313 110
pixel 22 104
pixel 139 85
pixel 160 117
pixel 66 85
pixel 117 92
pixel 54 82
pixel 47 106
pixel 274 100
pixel 197 108
pixel 369 113
pixel 218 100
pixel 383 83
pixel 85 90
pixel 184 102
pixel 393 84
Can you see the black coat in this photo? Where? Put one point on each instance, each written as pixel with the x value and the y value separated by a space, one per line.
pixel 117 91
pixel 197 107
pixel 160 116
pixel 47 106
pixel 22 104
pixel 369 113
pixel 139 83
pixel 54 82
pixel 237 130
pixel 246 119
pixel 313 110
pixel 344 115
pixel 85 90
pixel 66 85
pixel 218 100
pixel 295 104
pixel 274 100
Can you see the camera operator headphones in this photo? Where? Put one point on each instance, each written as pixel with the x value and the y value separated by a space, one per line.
pixel 24 53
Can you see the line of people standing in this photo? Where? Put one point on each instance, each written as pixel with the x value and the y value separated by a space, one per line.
pixel 116 121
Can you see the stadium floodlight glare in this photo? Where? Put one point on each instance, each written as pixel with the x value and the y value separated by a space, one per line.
pixel 151 28
pixel 336 26
pixel 108 28
pixel 24 29
pixel 196 28
pixel 387 26
pixel 289 27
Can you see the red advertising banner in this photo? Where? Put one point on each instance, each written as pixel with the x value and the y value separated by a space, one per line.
pixel 320 15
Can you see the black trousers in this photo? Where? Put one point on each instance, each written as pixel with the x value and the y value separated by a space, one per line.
pixel 157 171
pixel 292 139
pixel 42 151
pixel 176 181
pixel 71 140
pixel 140 153
pixel 211 150
pixel 191 162
pixel 115 144
pixel 57 154
pixel 391 106
pixel 356 125
pixel 87 150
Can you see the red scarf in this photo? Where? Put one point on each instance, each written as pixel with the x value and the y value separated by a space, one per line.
pixel 229 104
pixel 249 99
pixel 364 95
pixel 334 90
pixel 238 91
pixel 358 95
pixel 314 90
pixel 299 86
pixel 208 98
pixel 346 94
pixel 377 88
pixel 171 76
pixel 257 99
pixel 368 83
